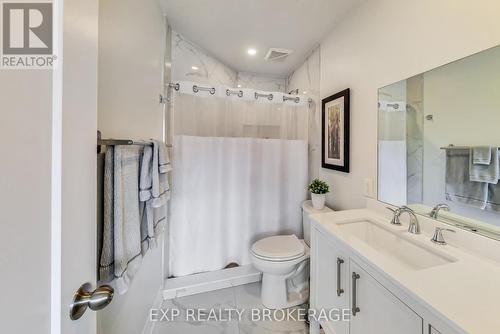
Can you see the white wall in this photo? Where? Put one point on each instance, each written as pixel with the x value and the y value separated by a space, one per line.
pixel 372 47
pixel 131 46
pixel 131 43
pixel 306 79
pixel 464 99
pixel 25 190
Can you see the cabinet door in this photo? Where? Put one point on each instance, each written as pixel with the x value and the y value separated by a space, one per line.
pixel 330 284
pixel 380 312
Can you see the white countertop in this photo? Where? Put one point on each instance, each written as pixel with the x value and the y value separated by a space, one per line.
pixel 464 293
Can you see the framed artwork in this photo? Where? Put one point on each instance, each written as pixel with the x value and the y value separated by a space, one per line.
pixel 335 132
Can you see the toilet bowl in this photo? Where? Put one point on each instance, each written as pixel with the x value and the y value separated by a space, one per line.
pixel 284 263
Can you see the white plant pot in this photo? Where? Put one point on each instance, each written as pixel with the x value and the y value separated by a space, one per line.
pixel 318 201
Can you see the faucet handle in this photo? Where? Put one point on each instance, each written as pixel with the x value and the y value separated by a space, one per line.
pixel 407 208
pixel 395 218
pixel 438 238
pixel 391 209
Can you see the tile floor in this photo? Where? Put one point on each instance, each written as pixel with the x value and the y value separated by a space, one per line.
pixel 244 298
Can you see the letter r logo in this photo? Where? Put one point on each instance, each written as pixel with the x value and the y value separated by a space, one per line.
pixel 27 28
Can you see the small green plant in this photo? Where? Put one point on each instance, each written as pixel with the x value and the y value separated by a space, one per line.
pixel 319 187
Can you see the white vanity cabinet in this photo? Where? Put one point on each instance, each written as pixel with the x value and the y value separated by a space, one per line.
pixel 330 280
pixel 380 312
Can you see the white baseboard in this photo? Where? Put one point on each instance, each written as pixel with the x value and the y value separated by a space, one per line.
pixel 210 281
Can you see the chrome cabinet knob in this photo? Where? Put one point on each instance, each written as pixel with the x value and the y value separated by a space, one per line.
pixel 86 298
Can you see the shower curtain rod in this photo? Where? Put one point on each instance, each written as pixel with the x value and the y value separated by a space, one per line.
pixel 239 93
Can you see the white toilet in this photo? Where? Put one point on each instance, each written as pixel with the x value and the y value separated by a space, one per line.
pixel 284 262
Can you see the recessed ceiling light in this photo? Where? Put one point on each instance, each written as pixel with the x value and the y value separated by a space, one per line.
pixel 252 52
pixel 195 68
pixel 239 86
pixel 304 92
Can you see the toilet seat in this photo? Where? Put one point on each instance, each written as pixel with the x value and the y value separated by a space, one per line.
pixel 279 248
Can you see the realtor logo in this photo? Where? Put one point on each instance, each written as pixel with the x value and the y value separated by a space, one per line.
pixel 27 35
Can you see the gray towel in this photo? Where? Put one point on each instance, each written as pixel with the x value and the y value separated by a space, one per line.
pixel 482 172
pixel 127 224
pixel 493 203
pixel 481 155
pixel 106 264
pixel 154 192
pixel 459 188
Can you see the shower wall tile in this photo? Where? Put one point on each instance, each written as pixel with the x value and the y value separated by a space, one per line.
pixel 186 54
pixel 307 80
pixel 261 82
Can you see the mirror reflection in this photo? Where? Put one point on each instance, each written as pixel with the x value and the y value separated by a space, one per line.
pixel 439 138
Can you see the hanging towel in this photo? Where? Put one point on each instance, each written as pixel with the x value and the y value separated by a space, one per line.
pixel 154 192
pixel 459 188
pixel 481 155
pixel 106 264
pixel 127 224
pixel 493 203
pixel 479 170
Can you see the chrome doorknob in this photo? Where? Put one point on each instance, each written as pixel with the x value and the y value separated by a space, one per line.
pixel 86 298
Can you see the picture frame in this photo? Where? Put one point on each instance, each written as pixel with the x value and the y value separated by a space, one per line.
pixel 335 133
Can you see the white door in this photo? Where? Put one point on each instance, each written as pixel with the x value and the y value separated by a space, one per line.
pixel 47 182
pixel 75 101
pixel 330 270
pixel 379 311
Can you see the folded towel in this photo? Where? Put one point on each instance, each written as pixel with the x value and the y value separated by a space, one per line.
pixel 459 188
pixel 146 181
pixel 163 158
pixel 481 155
pixel 106 263
pixel 127 224
pixel 489 173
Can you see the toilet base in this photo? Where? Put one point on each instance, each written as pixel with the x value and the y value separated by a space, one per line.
pixel 276 293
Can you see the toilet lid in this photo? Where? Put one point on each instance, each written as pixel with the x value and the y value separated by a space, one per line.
pixel 280 247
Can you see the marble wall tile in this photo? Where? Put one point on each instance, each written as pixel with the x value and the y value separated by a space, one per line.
pixel 186 54
pixel 261 82
pixel 306 79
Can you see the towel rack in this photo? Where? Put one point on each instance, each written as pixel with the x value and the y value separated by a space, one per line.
pixel 453 147
pixel 110 142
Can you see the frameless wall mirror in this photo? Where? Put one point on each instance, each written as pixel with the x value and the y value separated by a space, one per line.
pixel 438 143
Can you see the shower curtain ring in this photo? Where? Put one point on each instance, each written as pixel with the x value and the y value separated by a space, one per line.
pixel 195 89
pixel 212 91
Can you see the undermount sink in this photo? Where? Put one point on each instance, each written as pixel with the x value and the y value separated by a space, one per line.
pixel 394 245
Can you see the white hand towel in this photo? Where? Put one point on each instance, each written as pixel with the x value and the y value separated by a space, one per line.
pixel 127 234
pixel 481 155
pixel 155 192
pixel 488 173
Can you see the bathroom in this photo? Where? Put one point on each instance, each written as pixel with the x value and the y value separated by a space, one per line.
pixel 286 129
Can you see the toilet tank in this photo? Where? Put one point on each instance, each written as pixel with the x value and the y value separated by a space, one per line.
pixel 307 210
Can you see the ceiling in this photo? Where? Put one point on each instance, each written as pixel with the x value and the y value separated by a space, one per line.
pixel 227 28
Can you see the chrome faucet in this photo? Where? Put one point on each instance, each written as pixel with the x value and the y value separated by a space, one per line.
pixel 414 226
pixel 435 210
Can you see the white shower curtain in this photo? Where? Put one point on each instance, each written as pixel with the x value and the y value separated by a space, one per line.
pixel 240 173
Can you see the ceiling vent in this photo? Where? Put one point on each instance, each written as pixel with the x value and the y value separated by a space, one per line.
pixel 277 54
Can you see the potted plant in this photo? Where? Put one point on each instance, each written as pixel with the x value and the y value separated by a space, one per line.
pixel 318 190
